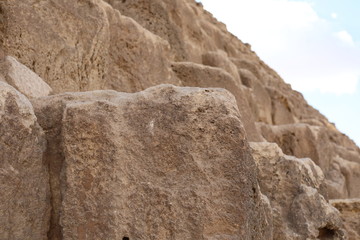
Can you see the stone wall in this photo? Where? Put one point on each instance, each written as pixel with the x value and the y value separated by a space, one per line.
pixel 94 147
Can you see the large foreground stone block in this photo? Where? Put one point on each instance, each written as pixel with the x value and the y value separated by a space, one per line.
pixel 165 163
pixel 24 184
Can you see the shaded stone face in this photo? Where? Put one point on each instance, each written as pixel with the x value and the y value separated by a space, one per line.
pixel 84 45
pixel 350 214
pixel 197 75
pixel 25 196
pixel 189 29
pixel 2 54
pixel 340 165
pixel 292 187
pixel 166 163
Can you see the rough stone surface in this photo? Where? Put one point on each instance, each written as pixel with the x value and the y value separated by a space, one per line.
pixel 341 166
pixel 190 30
pixel 291 184
pixel 350 213
pixel 128 46
pixel 24 190
pixel 23 79
pixel 197 75
pixel 2 54
pixel 83 45
pixel 138 58
pixel 221 60
pixel 166 163
pixel 260 97
pixel 350 172
pixel 297 140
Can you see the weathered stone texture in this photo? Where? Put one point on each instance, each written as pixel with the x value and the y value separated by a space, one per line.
pixel 350 214
pixel 197 75
pixel 84 45
pixel 24 185
pixel 292 184
pixel 341 166
pixel 221 60
pixel 190 30
pixel 166 163
pixel 23 79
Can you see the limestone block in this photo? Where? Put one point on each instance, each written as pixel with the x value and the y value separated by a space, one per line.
pixel 291 184
pixel 24 180
pixel 23 79
pixel 165 163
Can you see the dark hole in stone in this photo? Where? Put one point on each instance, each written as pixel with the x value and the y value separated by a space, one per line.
pixel 123 1
pixel 246 81
pixel 126 238
pixel 1 17
pixel 326 233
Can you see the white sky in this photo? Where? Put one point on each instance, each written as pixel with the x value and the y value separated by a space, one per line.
pixel 312 53
pixel 295 41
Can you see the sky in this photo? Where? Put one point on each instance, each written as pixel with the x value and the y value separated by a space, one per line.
pixel 313 44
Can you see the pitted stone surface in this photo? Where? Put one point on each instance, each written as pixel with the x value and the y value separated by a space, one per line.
pixel 165 163
pixel 24 183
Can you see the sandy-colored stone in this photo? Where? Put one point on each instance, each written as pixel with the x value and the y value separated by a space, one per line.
pixel 23 79
pixel 2 54
pixel 138 58
pixel 190 30
pixel 102 49
pixel 288 106
pixel 295 140
pixel 197 75
pixel 263 103
pixel 24 190
pixel 292 184
pixel 350 213
pixel 340 166
pixel 221 60
pixel 84 45
pixel 165 163
pixel 248 64
pixel 282 109
pixel 247 77
pixel 351 172
pixel 260 99
pixel 81 45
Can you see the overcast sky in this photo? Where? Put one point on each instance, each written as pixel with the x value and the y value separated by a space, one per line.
pixel 313 44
